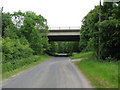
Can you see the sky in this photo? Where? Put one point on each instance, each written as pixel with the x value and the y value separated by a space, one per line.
pixel 59 13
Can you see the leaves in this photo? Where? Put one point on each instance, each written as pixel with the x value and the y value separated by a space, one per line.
pixel 24 34
pixel 107 31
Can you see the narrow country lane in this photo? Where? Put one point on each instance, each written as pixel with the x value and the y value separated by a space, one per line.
pixel 58 72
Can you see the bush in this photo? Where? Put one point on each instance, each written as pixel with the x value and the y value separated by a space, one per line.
pixel 13 49
pixel 14 64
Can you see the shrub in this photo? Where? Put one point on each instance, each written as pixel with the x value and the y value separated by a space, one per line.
pixel 13 49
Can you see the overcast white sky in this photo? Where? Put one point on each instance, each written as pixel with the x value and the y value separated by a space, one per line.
pixel 62 13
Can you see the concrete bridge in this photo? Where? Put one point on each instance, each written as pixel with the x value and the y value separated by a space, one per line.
pixel 64 34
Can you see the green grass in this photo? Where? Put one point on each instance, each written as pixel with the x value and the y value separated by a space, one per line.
pixel 101 74
pixel 81 55
pixel 0 73
pixel 9 69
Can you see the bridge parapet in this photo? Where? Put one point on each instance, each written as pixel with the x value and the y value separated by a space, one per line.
pixel 64 28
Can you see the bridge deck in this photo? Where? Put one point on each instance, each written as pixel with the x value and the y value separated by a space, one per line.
pixel 64 35
pixel 64 32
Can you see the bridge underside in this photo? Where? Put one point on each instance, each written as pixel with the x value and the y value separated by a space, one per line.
pixel 64 38
pixel 64 35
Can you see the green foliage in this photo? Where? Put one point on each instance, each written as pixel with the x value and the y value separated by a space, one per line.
pixel 11 32
pixel 36 41
pixel 81 55
pixel 24 34
pixel 54 47
pixel 12 67
pixel 64 47
pixel 6 21
pixel 35 31
pixel 13 49
pixel 110 45
pixel 105 30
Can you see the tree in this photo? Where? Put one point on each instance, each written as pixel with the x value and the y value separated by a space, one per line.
pixel 109 33
pixel 23 35
pixel 35 30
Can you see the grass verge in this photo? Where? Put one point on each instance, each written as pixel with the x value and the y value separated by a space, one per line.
pixel 81 55
pixel 11 68
pixel 101 74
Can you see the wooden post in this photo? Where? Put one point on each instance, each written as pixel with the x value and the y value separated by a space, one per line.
pixel 99 31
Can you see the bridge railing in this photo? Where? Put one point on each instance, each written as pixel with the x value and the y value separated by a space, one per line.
pixel 63 28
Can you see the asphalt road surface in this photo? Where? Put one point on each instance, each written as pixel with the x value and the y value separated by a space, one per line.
pixel 58 72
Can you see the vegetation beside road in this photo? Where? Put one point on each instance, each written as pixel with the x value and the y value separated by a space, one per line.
pixel 81 55
pixel 102 74
pixel 24 41
pixel 100 31
pixel 64 47
pixel 13 67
